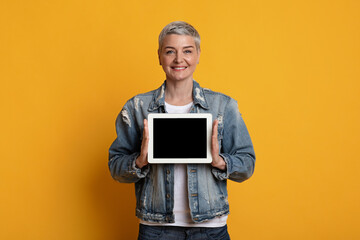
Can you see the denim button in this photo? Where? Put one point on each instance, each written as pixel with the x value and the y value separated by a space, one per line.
pixel 167 195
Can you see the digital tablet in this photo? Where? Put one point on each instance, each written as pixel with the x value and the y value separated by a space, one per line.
pixel 180 138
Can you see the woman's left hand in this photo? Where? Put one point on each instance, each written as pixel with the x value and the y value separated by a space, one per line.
pixel 217 161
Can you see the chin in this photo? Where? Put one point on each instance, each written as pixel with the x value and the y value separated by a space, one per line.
pixel 178 79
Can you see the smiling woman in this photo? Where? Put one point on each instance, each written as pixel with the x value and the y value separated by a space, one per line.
pixel 175 201
pixel 179 57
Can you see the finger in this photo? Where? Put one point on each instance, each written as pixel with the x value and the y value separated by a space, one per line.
pixel 215 129
pixel 146 129
pixel 214 140
pixel 145 141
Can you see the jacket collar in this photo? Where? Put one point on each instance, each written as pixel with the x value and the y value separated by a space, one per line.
pixel 159 97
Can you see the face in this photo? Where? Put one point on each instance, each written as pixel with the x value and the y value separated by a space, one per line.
pixel 179 57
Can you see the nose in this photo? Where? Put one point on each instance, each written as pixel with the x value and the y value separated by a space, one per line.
pixel 178 58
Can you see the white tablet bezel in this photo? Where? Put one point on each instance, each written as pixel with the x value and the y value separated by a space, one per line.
pixel 206 116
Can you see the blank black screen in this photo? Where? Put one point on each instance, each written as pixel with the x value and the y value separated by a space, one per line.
pixel 179 138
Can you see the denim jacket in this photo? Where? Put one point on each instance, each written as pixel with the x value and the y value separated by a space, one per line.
pixel 154 183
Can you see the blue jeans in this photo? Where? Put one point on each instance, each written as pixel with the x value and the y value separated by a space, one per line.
pixel 182 233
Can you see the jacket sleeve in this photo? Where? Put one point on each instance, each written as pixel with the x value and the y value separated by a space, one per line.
pixel 126 148
pixel 236 147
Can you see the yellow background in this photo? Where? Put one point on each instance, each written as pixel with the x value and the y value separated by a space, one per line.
pixel 67 68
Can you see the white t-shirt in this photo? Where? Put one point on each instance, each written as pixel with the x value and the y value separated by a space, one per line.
pixel 181 202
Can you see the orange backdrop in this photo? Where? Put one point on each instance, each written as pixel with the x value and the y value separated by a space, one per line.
pixel 67 68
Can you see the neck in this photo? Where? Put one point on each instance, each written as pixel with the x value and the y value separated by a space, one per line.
pixel 179 93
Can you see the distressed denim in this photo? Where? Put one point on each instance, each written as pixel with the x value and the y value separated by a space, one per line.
pixel 182 233
pixel 154 183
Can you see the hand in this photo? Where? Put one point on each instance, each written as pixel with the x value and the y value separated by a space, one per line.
pixel 142 160
pixel 217 161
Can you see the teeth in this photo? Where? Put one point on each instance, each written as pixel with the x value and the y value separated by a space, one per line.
pixel 178 68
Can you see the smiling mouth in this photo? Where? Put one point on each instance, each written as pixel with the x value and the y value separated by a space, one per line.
pixel 178 68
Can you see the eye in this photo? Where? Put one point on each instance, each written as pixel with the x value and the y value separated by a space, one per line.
pixel 169 52
pixel 187 51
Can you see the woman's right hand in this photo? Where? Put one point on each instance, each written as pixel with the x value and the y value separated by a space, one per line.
pixel 142 160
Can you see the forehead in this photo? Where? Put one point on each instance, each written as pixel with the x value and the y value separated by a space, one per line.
pixel 178 41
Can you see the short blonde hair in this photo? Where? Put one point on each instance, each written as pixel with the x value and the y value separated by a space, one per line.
pixel 180 28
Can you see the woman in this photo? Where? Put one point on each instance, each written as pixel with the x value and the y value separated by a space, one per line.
pixel 175 201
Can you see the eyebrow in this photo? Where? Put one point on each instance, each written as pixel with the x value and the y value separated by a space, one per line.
pixel 183 47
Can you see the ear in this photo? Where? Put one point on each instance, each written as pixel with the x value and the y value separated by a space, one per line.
pixel 159 57
pixel 198 58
